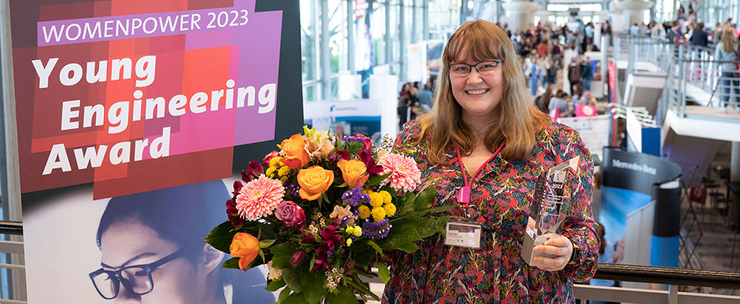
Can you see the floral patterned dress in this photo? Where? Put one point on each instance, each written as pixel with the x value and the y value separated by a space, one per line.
pixel 500 199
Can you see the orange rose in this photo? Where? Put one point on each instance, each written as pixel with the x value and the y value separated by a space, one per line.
pixel 295 154
pixel 314 181
pixel 245 247
pixel 354 172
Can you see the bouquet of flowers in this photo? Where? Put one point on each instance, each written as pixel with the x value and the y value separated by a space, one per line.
pixel 321 211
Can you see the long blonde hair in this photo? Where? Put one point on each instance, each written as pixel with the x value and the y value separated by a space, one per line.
pixel 728 40
pixel 517 121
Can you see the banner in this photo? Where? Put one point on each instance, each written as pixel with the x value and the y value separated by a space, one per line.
pixel 628 185
pixel 130 113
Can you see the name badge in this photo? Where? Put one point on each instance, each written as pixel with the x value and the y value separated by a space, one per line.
pixel 463 235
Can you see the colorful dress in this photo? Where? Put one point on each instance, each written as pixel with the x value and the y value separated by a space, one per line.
pixel 500 200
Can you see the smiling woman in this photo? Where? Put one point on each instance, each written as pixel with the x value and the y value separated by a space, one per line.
pixel 483 147
pixel 152 250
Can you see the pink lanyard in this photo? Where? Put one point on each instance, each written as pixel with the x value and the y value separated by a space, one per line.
pixel 463 195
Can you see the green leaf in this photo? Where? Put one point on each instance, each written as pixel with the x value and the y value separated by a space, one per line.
pixel 344 296
pixel 363 258
pixel 275 285
pixel 360 285
pixel 425 199
pixel 262 255
pixel 313 261
pixel 312 285
pixel 266 243
pixel 408 205
pixel 359 246
pixel 281 254
pixel 284 295
pixel 292 277
pixel 408 247
pixel 383 272
pixel 295 298
pixel 374 180
pixel 376 247
pixel 428 226
pixel 221 236
pixel 232 263
pixel 401 237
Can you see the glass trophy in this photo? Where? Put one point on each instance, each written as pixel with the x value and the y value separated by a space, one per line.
pixel 551 199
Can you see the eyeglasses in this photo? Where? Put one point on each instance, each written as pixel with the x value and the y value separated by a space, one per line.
pixel 137 279
pixel 484 68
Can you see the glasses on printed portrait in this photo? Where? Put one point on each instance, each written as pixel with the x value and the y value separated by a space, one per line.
pixel 137 279
pixel 484 68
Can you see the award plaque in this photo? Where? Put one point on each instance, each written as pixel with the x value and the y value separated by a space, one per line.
pixel 551 200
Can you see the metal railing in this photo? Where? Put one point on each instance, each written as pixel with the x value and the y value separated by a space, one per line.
pixel 692 73
pixel 674 277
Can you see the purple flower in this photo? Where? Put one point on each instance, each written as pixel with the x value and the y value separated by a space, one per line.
pixel 377 230
pixel 290 213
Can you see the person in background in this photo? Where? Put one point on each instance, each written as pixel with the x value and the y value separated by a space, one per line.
pixel 560 102
pixel 587 99
pixel 699 36
pixel 484 130
pixel 542 48
pixel 574 74
pixel 425 97
pixel 587 73
pixel 535 75
pixel 717 35
pixel 556 53
pixel 404 103
pixel 726 50
pixel 634 30
pixel 152 250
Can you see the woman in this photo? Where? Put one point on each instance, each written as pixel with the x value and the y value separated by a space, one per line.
pixel 727 51
pixel 482 110
pixel 152 250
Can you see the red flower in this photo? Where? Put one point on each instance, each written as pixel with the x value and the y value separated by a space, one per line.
pixel 233 213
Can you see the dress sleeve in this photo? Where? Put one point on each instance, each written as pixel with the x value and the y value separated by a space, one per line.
pixel 579 225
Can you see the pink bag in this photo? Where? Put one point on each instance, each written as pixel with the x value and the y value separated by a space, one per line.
pixel 585 110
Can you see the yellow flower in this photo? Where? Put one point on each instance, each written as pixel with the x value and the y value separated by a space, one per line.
pixel 270 172
pixel 245 247
pixel 378 214
pixel 283 171
pixel 314 181
pixel 350 230
pixel 376 200
pixel 357 231
pixel 349 242
pixel 387 198
pixel 364 212
pixel 390 209
pixel 354 172
pixel 275 161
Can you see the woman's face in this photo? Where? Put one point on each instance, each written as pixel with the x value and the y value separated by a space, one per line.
pixel 129 243
pixel 478 95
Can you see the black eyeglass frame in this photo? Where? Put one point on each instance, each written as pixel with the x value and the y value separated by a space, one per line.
pixel 119 280
pixel 477 69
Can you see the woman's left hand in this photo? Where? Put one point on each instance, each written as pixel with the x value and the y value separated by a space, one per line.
pixel 558 246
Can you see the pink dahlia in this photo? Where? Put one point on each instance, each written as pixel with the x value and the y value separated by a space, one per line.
pixel 259 198
pixel 406 176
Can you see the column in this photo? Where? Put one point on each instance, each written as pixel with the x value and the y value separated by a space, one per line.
pixel 521 14
pixel 616 21
pixel 633 11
